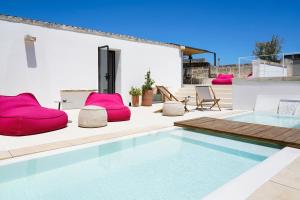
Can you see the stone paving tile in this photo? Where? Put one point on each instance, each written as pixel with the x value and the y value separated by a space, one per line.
pixel 39 148
pixel 290 176
pixel 274 191
pixel 5 155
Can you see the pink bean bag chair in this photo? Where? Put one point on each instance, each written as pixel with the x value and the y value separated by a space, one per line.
pixel 23 115
pixel 223 79
pixel 113 103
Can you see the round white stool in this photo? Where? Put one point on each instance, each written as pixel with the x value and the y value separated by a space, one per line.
pixel 173 108
pixel 92 117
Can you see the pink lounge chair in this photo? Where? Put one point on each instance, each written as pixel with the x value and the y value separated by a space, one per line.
pixel 23 115
pixel 223 79
pixel 113 103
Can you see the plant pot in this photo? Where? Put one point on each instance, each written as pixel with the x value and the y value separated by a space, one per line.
pixel 135 100
pixel 147 98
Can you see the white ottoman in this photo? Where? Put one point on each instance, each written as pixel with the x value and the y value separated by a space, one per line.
pixel 173 108
pixel 92 117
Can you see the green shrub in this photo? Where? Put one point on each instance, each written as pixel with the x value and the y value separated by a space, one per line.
pixel 135 91
pixel 148 82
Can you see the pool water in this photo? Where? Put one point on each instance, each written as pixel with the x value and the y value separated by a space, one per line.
pixel 268 119
pixel 169 165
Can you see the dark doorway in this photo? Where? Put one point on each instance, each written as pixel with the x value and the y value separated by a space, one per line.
pixel 106 70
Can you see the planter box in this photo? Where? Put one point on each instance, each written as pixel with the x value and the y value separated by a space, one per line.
pixel 74 99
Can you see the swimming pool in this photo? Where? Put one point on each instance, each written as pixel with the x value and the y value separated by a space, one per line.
pixel 268 119
pixel 171 164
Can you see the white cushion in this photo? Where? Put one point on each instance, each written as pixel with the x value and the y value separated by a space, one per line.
pixel 92 117
pixel 173 108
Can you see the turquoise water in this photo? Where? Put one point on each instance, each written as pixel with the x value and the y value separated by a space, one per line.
pixel 268 119
pixel 170 165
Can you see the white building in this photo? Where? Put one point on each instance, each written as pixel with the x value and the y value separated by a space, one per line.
pixel 45 58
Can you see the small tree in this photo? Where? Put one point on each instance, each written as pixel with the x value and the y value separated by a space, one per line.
pixel 148 82
pixel 268 50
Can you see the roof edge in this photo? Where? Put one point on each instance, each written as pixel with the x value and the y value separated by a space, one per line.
pixel 76 29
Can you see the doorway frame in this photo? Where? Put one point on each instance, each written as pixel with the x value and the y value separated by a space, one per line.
pixel 111 70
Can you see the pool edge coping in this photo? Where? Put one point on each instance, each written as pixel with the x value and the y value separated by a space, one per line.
pixel 78 142
pixel 248 182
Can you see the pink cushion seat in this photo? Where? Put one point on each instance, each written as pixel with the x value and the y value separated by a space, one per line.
pixel 113 103
pixel 225 76
pixel 23 115
pixel 223 79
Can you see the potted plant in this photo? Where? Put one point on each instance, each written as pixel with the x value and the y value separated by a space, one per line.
pixel 135 96
pixel 147 90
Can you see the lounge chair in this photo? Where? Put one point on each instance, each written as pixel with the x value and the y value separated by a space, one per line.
pixel 23 115
pixel 113 103
pixel 205 96
pixel 167 95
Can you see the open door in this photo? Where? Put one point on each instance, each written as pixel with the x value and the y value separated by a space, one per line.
pixel 106 70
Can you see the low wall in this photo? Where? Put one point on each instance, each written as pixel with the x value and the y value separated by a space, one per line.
pixel 198 74
pixel 245 91
pixel 270 103
pixel 268 69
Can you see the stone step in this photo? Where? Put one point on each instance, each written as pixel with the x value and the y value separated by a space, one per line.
pixel 215 88
pixel 224 92
pixel 193 94
pixel 226 100
pixel 222 100
pixel 226 105
pixel 222 104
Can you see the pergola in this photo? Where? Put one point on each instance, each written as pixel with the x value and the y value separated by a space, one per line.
pixel 190 51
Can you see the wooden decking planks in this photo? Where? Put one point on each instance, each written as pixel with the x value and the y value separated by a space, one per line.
pixel 279 135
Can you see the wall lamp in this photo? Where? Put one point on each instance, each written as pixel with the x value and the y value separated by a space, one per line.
pixel 29 38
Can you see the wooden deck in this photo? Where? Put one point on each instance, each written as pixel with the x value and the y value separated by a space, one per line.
pixel 279 135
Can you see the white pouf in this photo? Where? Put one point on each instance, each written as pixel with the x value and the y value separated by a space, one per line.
pixel 92 117
pixel 173 108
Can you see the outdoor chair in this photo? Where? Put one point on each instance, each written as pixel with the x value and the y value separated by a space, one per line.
pixel 168 96
pixel 205 96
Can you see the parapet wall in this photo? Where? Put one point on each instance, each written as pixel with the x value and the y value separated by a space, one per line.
pixel 198 75
pixel 246 91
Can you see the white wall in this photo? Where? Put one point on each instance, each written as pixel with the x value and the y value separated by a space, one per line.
pixel 245 92
pixel 261 69
pixel 270 103
pixel 68 60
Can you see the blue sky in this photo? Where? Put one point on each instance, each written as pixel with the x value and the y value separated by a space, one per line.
pixel 229 28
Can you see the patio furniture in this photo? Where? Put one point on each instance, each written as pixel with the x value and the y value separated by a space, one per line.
pixel 223 79
pixel 205 96
pixel 92 117
pixel 167 95
pixel 113 103
pixel 23 115
pixel 173 108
